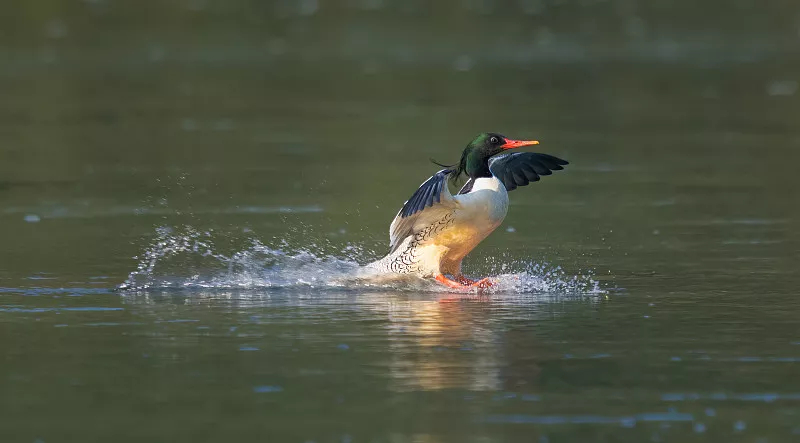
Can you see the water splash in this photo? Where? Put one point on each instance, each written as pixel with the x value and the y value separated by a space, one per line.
pixel 189 258
pixel 525 277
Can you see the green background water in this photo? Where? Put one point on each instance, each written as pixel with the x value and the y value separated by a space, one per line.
pixel 304 125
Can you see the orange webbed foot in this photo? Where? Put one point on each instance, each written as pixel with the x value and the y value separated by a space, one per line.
pixel 482 283
pixel 464 282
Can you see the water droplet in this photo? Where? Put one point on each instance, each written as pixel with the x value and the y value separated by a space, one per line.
pixel 267 389
pixel 463 63
pixel 372 5
pixel 739 426
pixel 635 28
pixel 276 46
pixel 370 68
pixel 189 125
pixel 699 428
pixel 156 54
pixel 710 92
pixel 308 7
pixel 782 88
pixel 544 37
pixel 48 56
pixel 197 5
pixel 484 7
pixel 532 7
pixel 343 347
pixel 224 124
pixel 57 29
pixel 511 229
pixel 32 218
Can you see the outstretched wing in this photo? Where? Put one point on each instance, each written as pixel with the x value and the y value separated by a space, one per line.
pixel 428 204
pixel 521 168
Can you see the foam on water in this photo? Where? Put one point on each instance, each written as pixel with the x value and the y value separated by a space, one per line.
pixel 190 259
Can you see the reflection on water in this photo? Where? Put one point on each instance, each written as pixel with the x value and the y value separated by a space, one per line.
pixel 420 329
pixel 431 343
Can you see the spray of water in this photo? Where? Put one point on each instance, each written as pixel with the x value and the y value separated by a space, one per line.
pixel 189 258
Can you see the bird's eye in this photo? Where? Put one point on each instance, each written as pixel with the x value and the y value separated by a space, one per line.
pixel 494 140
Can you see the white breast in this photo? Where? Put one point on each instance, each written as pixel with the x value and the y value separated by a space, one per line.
pixel 486 205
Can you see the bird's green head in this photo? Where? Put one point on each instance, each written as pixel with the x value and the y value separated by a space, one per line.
pixel 475 158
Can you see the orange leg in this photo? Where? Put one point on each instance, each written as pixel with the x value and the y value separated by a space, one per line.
pixel 449 283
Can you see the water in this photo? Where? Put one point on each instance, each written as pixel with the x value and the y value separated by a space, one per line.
pixel 187 192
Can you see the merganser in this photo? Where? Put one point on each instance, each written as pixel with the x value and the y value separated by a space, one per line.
pixel 435 230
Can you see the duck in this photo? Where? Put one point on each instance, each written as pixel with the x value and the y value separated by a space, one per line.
pixel 434 230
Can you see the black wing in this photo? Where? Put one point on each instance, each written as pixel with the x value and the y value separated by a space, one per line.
pixel 521 168
pixel 467 187
pixel 428 193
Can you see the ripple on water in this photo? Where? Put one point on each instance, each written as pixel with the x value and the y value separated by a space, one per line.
pixel 267 389
pixel 89 209
pixel 78 309
pixel 36 291
pixel 734 221
pixel 627 421
pixel 766 397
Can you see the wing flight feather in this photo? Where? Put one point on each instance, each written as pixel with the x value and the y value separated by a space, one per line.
pixel 521 168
